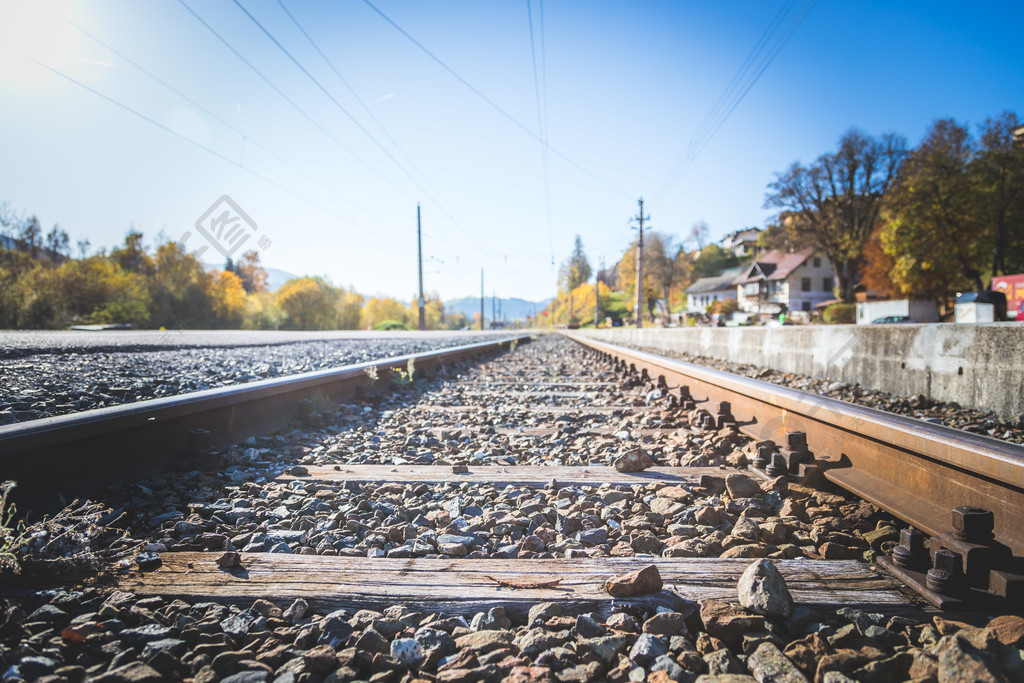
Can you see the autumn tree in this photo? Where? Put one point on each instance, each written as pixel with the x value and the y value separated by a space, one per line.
pixel 382 309
pixel 653 251
pixel 308 304
pixel 834 203
pixel 668 266
pixel 249 271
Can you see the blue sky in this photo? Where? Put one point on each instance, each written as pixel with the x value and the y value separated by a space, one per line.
pixel 625 89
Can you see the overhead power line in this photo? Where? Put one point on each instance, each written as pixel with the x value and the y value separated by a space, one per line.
pixel 292 102
pixel 542 127
pixel 211 114
pixel 201 146
pixel 753 67
pixel 345 111
pixel 491 102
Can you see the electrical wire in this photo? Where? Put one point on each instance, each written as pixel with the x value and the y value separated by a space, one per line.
pixel 734 94
pixel 363 104
pixel 541 126
pixel 346 112
pixel 292 102
pixel 209 150
pixel 245 137
pixel 492 103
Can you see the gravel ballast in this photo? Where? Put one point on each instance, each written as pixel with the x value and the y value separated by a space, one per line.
pixel 54 374
pixel 547 402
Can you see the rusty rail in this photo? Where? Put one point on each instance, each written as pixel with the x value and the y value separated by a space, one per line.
pixel 916 470
pixel 79 452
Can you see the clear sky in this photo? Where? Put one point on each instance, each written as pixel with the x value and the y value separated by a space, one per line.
pixel 626 94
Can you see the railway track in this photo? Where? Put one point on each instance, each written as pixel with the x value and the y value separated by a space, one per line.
pixel 457 516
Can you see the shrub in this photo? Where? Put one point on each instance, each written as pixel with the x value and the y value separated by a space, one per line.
pixel 840 313
pixel 389 325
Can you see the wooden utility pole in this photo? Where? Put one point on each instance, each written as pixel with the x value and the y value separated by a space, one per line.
pixel 597 295
pixel 419 246
pixel 481 299
pixel 640 267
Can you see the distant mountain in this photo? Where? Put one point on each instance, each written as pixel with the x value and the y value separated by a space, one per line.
pixel 276 278
pixel 503 309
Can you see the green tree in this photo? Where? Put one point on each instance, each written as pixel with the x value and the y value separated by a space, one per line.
pixel 712 260
pixel 834 203
pixel 132 256
pixel 933 231
pixel 998 174
pixel 575 270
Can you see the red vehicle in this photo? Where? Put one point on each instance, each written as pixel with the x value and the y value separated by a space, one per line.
pixel 1013 287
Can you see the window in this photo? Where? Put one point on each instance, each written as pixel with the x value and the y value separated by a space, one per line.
pixel 826 284
pixel 817 262
pixel 805 284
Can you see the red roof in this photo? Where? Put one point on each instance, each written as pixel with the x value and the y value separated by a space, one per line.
pixel 775 265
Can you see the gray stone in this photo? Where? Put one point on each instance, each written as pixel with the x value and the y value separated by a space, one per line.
pixel 768 664
pixel 407 652
pixel 723 662
pixel 763 590
pixel 961 661
pixel 669 666
pixel 605 648
pixel 544 611
pixel 646 648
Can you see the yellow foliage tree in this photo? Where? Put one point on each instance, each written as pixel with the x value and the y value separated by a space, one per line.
pixel 308 304
pixel 227 298
pixel 381 309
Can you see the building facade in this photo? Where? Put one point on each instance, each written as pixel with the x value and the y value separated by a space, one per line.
pixel 780 281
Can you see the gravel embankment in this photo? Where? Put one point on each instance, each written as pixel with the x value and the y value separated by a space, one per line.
pixel 258 497
pixel 46 376
pixel 949 414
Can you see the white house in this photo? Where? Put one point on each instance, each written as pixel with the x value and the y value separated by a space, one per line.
pixel 780 280
pixel 741 242
pixel 707 290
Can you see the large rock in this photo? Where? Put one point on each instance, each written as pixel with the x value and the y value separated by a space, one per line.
pixel 727 623
pixel 741 486
pixel 1008 629
pixel 763 590
pixel 640 582
pixel 767 663
pixel 634 461
pixel 485 641
pixel 961 661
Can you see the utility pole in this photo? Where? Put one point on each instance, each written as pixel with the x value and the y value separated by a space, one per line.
pixel 494 315
pixel 481 299
pixel 640 267
pixel 597 295
pixel 419 246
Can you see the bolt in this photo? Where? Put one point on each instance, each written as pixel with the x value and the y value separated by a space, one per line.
pixel 764 454
pixel 945 576
pixel 796 441
pixel 973 524
pixel 910 553
pixel 684 394
pixel 778 466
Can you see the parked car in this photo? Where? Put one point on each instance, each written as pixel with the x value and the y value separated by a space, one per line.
pixel 886 320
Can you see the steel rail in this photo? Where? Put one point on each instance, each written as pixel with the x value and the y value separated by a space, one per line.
pixel 80 452
pixel 916 470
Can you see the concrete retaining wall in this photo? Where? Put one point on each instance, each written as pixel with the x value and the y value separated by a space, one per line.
pixel 975 365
